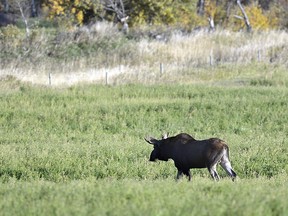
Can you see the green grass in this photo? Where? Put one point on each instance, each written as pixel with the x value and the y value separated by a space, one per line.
pixel 80 150
pixel 147 197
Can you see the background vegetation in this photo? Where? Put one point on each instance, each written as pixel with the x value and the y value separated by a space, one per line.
pixel 184 14
pixel 77 37
pixel 70 149
pixel 86 53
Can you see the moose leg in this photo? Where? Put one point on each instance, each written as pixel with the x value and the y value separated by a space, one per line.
pixel 225 163
pixel 179 174
pixel 213 172
pixel 228 168
pixel 188 174
pixel 215 158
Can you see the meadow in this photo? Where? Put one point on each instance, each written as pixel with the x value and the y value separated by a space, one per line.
pixel 80 150
pixel 76 147
pixel 85 54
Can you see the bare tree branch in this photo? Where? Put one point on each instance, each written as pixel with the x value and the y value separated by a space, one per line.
pixel 247 23
pixel 118 7
pixel 24 18
pixel 239 17
pixel 115 6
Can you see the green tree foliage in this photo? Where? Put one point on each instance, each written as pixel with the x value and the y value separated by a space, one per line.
pixel 152 12
pixel 264 14
pixel 168 12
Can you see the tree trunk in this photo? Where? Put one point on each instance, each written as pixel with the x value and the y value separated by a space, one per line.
pixel 211 24
pixel 33 9
pixel 125 26
pixel 246 20
pixel 201 6
pixel 228 9
pixel 6 6
pixel 24 19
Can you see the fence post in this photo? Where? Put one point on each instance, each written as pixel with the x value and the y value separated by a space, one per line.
pixel 106 78
pixel 259 55
pixel 50 79
pixel 161 69
pixel 211 58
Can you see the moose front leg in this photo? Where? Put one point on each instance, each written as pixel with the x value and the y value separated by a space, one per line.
pixel 188 174
pixel 179 174
pixel 213 172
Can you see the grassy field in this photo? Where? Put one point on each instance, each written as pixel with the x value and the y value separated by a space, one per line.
pixel 80 150
pixel 83 54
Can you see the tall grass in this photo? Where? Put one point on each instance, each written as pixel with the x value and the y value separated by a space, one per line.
pixel 84 53
pixel 160 197
pixel 80 150
pixel 98 131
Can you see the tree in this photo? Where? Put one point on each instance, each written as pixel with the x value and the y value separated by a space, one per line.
pixel 151 12
pixel 245 17
pixel 186 13
pixel 22 4
pixel 118 7
pixel 265 4
pixel 201 7
pixel 6 6
pixel 33 9
pixel 210 11
pixel 75 12
pixel 14 8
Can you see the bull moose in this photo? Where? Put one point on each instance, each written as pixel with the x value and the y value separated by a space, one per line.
pixel 187 153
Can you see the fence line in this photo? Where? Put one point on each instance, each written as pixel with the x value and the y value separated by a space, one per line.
pixel 214 59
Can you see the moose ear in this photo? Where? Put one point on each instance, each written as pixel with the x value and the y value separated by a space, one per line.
pixel 151 140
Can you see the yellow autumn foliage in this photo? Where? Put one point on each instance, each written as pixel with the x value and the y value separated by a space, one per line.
pixel 181 13
pixel 73 10
pixel 68 9
pixel 257 19
pixel 210 8
pixel 80 17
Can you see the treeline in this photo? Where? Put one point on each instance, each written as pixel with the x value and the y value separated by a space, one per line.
pixel 232 14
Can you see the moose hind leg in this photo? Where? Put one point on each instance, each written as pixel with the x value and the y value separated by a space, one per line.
pixel 215 158
pixel 226 165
